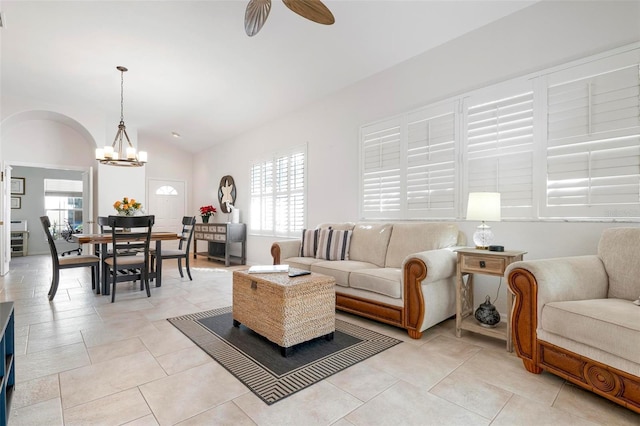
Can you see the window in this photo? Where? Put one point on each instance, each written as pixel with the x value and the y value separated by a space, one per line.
pixel 63 204
pixel 562 143
pixel 380 163
pixel 499 148
pixel 166 190
pixel 593 140
pixel 278 194
pixel 408 165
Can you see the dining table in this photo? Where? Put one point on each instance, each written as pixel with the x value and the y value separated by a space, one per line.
pixel 103 239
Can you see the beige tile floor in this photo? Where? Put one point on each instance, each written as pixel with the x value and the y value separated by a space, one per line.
pixel 84 361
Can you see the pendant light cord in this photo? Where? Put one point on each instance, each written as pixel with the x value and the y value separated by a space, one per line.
pixel 121 96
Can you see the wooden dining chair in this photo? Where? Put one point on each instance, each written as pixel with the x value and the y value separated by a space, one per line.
pixel 121 266
pixel 182 252
pixel 59 262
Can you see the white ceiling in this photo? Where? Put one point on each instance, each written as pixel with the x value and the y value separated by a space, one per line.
pixel 193 70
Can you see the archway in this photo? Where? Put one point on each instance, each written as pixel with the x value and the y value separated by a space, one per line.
pixel 45 140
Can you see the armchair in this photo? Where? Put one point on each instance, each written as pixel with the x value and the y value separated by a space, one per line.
pixel 575 317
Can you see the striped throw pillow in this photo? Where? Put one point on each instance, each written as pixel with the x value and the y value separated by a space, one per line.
pixel 333 244
pixel 309 244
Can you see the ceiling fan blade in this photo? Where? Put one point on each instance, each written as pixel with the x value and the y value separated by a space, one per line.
pixel 256 15
pixel 314 10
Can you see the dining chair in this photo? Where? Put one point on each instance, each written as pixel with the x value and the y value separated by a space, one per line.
pixel 59 262
pixel 103 224
pixel 122 267
pixel 182 252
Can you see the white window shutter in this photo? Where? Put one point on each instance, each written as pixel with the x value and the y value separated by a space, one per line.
pixel 289 205
pixel 278 194
pixel 499 137
pixel 431 160
pixel 381 170
pixel 560 143
pixel 593 144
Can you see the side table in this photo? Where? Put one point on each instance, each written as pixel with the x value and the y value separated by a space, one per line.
pixel 473 261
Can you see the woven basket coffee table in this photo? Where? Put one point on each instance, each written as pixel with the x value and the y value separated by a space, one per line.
pixel 285 310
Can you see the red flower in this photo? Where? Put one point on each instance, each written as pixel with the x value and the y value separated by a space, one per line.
pixel 207 211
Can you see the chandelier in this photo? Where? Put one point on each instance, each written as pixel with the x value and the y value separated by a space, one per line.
pixel 118 154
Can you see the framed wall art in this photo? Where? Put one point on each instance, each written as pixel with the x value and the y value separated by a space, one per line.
pixel 17 186
pixel 16 202
pixel 226 193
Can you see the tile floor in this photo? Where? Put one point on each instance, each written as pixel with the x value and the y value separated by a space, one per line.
pixel 84 361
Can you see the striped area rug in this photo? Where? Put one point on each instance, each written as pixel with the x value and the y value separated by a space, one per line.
pixel 257 362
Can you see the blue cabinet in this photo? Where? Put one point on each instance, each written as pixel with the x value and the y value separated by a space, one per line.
pixel 8 369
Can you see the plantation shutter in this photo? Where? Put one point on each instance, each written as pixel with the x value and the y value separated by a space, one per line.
pixel 499 148
pixel 278 194
pixel 593 142
pixel 431 156
pixel 262 196
pixel 289 204
pixel 381 170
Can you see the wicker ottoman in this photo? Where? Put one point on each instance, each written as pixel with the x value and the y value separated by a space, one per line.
pixel 285 310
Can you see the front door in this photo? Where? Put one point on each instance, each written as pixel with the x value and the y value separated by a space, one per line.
pixel 167 201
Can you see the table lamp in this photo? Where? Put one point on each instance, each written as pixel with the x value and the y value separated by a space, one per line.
pixel 483 206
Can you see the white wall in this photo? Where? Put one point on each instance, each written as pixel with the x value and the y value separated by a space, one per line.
pixel 66 136
pixel 543 35
pixel 46 142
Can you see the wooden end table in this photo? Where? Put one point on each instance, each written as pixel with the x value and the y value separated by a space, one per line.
pixel 473 261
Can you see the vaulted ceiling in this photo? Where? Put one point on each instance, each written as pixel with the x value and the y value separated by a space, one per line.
pixel 194 71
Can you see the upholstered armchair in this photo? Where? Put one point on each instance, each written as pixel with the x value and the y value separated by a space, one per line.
pixel 575 317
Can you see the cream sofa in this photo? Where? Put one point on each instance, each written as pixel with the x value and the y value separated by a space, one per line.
pixel 401 274
pixel 575 317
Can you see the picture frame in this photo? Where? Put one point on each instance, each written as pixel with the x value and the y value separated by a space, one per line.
pixel 16 202
pixel 17 186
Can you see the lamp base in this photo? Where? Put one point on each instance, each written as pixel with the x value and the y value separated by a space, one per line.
pixel 483 237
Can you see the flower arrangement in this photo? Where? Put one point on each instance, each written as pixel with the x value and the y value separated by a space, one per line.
pixel 206 212
pixel 127 207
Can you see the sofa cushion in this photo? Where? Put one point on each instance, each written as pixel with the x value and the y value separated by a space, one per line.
pixel 301 262
pixel 387 281
pixel 339 270
pixel 408 238
pixel 369 242
pixel 345 226
pixel 611 325
pixel 333 244
pixel 619 249
pixel 309 244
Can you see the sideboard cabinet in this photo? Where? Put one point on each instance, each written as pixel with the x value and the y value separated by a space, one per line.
pixel 221 238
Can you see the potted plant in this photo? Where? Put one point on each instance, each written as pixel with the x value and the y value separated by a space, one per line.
pixel 206 212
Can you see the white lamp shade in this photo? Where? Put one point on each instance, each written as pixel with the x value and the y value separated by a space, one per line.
pixel 484 206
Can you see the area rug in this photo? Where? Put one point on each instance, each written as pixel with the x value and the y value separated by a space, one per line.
pixel 257 362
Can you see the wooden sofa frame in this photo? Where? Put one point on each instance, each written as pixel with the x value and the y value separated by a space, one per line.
pixel 537 355
pixel 409 316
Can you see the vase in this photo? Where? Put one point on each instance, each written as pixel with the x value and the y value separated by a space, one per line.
pixel 487 314
pixel 205 219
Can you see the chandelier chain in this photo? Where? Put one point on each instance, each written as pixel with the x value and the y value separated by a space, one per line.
pixel 122 95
